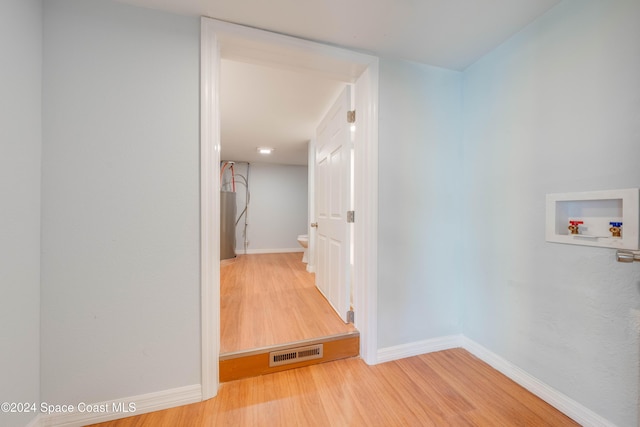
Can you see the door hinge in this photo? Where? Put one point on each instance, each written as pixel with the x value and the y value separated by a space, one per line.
pixel 351 116
pixel 351 216
pixel 351 316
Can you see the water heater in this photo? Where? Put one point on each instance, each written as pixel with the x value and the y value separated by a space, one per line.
pixel 227 224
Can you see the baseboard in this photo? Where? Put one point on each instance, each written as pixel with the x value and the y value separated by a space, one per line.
pixel 389 354
pixel 121 408
pixel 563 403
pixel 269 251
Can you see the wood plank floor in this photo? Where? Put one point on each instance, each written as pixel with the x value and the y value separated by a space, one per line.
pixel 270 299
pixel 447 388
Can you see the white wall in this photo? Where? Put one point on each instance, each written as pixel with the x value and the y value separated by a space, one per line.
pixel 121 258
pixel 419 151
pixel 277 208
pixel 555 109
pixel 20 155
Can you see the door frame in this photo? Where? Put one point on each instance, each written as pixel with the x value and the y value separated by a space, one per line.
pixel 221 39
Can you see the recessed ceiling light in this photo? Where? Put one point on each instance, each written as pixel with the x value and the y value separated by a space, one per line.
pixel 265 150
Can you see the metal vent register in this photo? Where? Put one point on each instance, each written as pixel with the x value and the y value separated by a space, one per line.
pixel 295 355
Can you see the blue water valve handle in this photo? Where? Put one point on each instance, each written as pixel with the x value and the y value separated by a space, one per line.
pixel 615 224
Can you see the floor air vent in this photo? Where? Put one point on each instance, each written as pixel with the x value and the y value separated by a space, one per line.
pixel 295 355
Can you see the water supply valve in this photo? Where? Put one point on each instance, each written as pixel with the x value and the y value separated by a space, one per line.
pixel 574 226
pixel 616 229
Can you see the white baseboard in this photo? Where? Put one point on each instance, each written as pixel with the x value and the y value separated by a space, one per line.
pixel 416 348
pixel 558 400
pixel 269 251
pixel 114 409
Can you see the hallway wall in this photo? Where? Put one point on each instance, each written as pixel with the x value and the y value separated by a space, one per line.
pixel 555 109
pixel 20 190
pixel 419 151
pixel 121 203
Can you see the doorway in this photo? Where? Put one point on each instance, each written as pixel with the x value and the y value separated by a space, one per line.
pixel 267 298
pixel 220 39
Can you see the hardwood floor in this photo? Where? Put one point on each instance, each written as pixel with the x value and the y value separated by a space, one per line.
pixel 270 299
pixel 447 388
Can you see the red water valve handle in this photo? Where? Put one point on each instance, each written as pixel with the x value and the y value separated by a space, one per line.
pixel 573 227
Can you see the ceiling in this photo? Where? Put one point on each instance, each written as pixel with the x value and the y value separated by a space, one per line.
pixel 263 106
pixel 280 108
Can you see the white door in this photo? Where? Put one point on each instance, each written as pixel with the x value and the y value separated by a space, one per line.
pixel 333 176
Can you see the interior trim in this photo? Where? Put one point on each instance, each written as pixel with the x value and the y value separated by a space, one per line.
pixel 222 39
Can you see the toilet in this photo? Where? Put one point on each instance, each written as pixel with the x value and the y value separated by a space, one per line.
pixel 303 239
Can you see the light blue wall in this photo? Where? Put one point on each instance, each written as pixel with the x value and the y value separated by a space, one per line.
pixel 419 197
pixel 121 232
pixel 277 208
pixel 20 156
pixel 555 109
